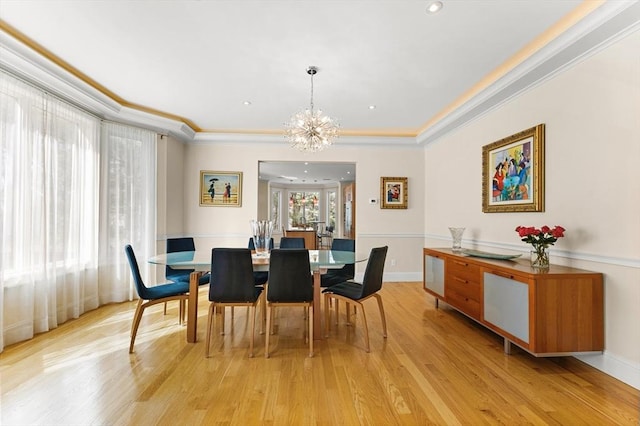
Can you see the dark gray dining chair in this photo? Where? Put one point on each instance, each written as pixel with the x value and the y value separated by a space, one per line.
pixel 290 284
pixel 292 243
pixel 355 293
pixel 232 285
pixel 347 272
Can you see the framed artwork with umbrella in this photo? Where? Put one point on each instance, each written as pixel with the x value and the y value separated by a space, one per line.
pixel 220 189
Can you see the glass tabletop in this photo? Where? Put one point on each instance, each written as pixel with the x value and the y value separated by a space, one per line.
pixel 200 260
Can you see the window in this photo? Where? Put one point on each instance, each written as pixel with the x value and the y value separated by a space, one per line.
pixel 275 209
pixel 332 209
pixel 303 208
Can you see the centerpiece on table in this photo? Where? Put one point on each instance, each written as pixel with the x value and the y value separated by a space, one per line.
pixel 540 239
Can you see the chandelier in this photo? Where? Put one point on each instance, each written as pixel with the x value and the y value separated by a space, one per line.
pixel 309 130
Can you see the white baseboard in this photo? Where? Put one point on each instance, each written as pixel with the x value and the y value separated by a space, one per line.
pixel 617 368
pixel 622 370
pixel 395 277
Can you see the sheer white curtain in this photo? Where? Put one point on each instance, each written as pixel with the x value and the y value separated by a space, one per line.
pixel 49 202
pixel 128 207
pixel 73 192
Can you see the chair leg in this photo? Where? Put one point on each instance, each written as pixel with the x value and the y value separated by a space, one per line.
pixel 222 315
pixel 181 310
pixel 270 313
pixel 252 312
pixel 310 321
pixel 165 308
pixel 327 313
pixel 268 333
pixel 263 309
pixel 366 328
pixel 136 322
pixel 384 320
pixel 210 318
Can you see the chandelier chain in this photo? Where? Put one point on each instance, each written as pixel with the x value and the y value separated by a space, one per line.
pixel 312 73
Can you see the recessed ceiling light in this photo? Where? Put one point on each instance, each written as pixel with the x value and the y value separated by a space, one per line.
pixel 247 102
pixel 434 7
pixel 372 107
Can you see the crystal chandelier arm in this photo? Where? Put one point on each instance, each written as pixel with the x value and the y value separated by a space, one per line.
pixel 311 131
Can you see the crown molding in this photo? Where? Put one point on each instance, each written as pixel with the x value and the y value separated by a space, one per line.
pixel 609 22
pixel 601 28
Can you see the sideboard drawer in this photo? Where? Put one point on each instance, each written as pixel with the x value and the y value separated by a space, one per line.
pixel 463 270
pixel 464 303
pixel 463 287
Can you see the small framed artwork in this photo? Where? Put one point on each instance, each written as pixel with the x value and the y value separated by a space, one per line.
pixel 393 192
pixel 513 173
pixel 220 189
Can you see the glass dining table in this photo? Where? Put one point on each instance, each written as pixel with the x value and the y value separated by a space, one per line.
pixel 200 261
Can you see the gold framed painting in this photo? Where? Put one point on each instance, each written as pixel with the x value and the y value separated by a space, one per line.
pixel 393 192
pixel 513 173
pixel 220 189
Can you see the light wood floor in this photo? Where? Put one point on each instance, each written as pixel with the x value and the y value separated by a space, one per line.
pixel 436 367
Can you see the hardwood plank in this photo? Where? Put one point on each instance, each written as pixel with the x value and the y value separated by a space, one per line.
pixel 436 367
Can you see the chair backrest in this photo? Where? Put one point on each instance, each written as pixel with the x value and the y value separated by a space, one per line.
pixel 344 244
pixel 252 246
pixel 372 281
pixel 135 271
pixel 179 244
pixel 232 276
pixel 291 243
pixel 329 229
pixel 290 278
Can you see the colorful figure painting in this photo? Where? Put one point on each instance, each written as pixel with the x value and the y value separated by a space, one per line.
pixel 513 173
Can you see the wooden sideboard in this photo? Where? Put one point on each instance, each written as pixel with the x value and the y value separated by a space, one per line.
pixel 559 311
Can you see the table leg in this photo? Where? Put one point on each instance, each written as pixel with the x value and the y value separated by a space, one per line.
pixel 192 308
pixel 318 330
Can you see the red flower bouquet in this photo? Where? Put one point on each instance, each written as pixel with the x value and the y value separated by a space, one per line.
pixel 540 239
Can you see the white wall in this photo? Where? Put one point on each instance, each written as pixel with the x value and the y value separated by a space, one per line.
pixel 592 117
pixel 402 230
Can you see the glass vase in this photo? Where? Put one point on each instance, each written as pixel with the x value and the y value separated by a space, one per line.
pixel 456 235
pixel 540 258
pixel 261 231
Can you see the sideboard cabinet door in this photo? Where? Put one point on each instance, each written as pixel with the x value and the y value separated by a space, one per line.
pixel 506 305
pixel 434 274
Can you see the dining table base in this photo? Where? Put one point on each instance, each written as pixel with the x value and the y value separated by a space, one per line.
pixel 192 308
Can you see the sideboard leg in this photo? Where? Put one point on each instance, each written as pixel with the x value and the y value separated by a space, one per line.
pixel 507 347
pixel 437 302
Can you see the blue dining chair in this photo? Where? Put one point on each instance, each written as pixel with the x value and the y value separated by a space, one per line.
pixel 177 275
pixel 292 243
pixel 356 293
pixel 149 296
